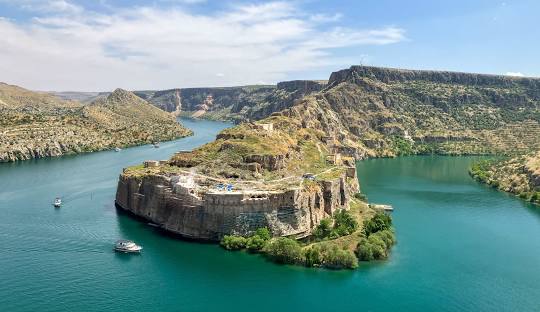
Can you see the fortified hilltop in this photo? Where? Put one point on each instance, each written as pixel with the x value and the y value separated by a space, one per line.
pixel 293 168
pixel 273 173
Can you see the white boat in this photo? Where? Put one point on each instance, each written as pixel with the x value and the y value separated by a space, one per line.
pixel 117 149
pixel 156 144
pixel 127 246
pixel 57 202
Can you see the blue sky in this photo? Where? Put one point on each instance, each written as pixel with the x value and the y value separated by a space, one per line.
pixel 101 45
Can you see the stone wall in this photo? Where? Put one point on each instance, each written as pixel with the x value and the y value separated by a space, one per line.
pixel 210 215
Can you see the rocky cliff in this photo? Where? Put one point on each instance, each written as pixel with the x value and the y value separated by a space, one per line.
pixel 36 125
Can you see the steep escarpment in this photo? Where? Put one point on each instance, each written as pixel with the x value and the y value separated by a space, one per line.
pixel 273 173
pixel 35 125
pixel 518 175
pixel 372 111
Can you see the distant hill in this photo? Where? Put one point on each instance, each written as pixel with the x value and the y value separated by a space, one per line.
pixel 236 104
pixel 35 125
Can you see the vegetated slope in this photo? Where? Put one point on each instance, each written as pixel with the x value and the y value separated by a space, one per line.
pixel 519 175
pixel 35 125
pixel 370 111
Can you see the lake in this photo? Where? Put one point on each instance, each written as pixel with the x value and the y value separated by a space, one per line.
pixel 461 246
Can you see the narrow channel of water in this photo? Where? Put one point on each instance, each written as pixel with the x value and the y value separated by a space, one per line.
pixel 461 247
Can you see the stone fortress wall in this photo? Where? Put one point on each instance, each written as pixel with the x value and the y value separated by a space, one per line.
pixel 178 204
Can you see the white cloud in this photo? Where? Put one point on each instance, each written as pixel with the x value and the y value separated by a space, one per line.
pixel 515 74
pixel 46 5
pixel 319 17
pixel 158 48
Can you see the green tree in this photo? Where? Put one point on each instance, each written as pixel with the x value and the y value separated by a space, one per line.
pixel 380 222
pixel 255 243
pixel 284 250
pixel 313 256
pixel 324 228
pixel 232 242
pixel 263 233
pixel 364 251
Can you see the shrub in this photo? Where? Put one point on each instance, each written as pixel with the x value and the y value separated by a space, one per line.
pixel 376 246
pixel 535 197
pixel 361 197
pixel 263 233
pixel 337 258
pixel 312 256
pixel 378 252
pixel 345 223
pixel 255 243
pixel 364 251
pixel 233 242
pixel 324 228
pixel 284 250
pixel 380 222
pixel 387 236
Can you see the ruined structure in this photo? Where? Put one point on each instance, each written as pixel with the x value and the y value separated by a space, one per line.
pixel 202 208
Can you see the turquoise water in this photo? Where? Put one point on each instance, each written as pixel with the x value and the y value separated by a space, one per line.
pixel 462 246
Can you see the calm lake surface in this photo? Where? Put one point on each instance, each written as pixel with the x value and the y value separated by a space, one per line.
pixel 462 246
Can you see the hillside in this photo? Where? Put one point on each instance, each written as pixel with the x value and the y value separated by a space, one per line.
pixel 370 111
pixel 237 104
pixel 519 175
pixel 35 125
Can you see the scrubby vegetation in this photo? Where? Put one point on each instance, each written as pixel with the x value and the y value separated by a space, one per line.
pixel 232 242
pixel 253 243
pixel 518 175
pixel 379 238
pixel 338 243
pixel 343 223
pixel 480 171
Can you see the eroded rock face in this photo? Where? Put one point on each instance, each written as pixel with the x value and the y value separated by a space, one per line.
pixel 208 217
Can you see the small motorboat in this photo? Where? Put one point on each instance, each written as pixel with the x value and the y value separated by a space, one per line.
pixel 57 202
pixel 117 149
pixel 156 144
pixel 127 246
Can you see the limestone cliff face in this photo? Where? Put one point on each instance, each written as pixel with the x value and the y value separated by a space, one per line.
pixel 295 211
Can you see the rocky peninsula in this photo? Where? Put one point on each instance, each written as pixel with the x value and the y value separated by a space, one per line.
pixel 293 172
